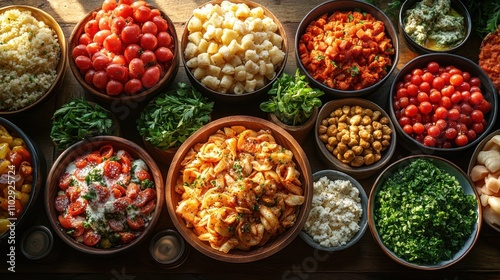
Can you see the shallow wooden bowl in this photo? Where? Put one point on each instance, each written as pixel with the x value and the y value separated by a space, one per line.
pixel 273 245
pixel 231 97
pixel 61 66
pixel 82 148
pixel 129 100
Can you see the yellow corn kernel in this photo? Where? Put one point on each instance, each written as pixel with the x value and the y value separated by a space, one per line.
pixel 4 166
pixel 26 188
pixel 4 225
pixel 5 137
pixel 24 199
pixel 16 142
pixel 4 150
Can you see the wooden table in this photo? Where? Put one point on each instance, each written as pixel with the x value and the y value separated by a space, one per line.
pixel 298 261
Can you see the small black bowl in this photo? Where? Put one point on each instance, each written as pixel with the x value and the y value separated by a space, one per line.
pixel 456 5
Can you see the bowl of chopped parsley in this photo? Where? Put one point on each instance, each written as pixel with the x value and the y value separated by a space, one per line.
pixel 424 212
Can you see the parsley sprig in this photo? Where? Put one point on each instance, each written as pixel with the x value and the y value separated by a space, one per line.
pixel 78 120
pixel 292 99
pixel 173 116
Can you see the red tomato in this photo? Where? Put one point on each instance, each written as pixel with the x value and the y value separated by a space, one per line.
pixel 164 54
pixel 91 28
pixel 127 237
pixel 161 23
pixel 149 27
pixel 118 191
pixel 64 181
pixel 100 79
pixel 133 190
pixel 123 10
pixel 112 169
pixel 151 77
pixel 65 221
pixel 130 34
pixel 76 208
pixel 148 41
pixel 117 72
pixel 132 51
pixel 136 68
pixel 133 86
pixel 80 49
pixel 113 43
pixel 83 63
pixel 90 238
pixel 135 223
pixel 141 14
pixel 148 208
pixel 114 87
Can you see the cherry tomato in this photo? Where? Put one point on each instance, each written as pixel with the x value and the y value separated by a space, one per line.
pixel 160 22
pixel 476 98
pixel 133 86
pixel 123 10
pixel 141 14
pixel 76 208
pixel 148 41
pixel 114 87
pixel 456 80
pixel 164 39
pixel 89 76
pixel 149 27
pixel 132 51
pixel 136 68
pixel 126 237
pixel 83 63
pixel 461 140
pixel 477 116
pixel 151 77
pixel 90 238
pixel 117 72
pixel 130 34
pixel 433 67
pixel 91 28
pixel 101 35
pixel 108 5
pixel 100 79
pixel 418 128
pixel 164 54
pixel 135 223
pixel 80 49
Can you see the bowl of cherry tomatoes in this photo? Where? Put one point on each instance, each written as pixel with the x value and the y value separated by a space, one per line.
pixel 442 103
pixel 104 195
pixel 124 51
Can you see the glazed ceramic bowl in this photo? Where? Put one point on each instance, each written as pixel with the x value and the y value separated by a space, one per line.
pixel 457 6
pixel 19 182
pixel 328 8
pixel 228 96
pixel 333 175
pixel 484 179
pixel 168 70
pixel 176 174
pixel 130 211
pixel 389 175
pixel 325 151
pixel 40 15
pixel 409 141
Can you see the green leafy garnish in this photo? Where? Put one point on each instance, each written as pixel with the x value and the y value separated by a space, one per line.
pixel 173 116
pixel 422 213
pixel 292 99
pixel 78 120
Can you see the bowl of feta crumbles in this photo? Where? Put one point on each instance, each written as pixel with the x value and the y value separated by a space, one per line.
pixel 338 218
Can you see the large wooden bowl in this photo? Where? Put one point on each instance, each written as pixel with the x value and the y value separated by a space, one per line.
pixel 273 245
pixel 82 148
pixel 129 100
pixel 61 66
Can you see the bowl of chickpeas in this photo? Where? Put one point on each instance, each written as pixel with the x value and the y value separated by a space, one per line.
pixel 346 48
pixel 22 170
pixel 355 136
pixel 236 53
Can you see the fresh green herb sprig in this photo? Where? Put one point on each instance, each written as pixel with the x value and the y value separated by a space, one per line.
pixel 422 213
pixel 173 116
pixel 78 120
pixel 292 99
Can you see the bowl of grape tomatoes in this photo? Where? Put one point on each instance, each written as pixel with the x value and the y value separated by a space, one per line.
pixel 125 52
pixel 104 195
pixel 442 103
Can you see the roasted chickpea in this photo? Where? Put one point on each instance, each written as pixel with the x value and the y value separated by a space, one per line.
pixel 324 138
pixel 357 161
pixel 369 159
pixel 322 129
pixel 332 141
pixel 349 155
pixel 358 150
pixel 331 130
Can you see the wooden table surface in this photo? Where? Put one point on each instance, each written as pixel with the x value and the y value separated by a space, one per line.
pixel 365 260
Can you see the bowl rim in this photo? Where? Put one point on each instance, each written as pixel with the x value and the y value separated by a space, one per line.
pixel 469 243
pixel 144 95
pixel 485 84
pixel 84 147
pixel 232 96
pixel 39 171
pixel 332 174
pixel 41 15
pixel 473 162
pixel 402 15
pixel 362 171
pixel 346 6
pixel 256 253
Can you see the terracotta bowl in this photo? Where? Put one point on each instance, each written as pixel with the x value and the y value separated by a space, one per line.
pixel 231 97
pixel 490 217
pixel 61 66
pixel 83 148
pixel 333 162
pixel 444 59
pixel 458 6
pixel 468 189
pixel 39 173
pixel 328 8
pixel 140 97
pixel 273 245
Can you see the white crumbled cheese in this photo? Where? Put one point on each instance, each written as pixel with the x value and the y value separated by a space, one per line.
pixel 335 212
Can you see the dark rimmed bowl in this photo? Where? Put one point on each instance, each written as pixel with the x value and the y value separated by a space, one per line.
pixel 457 5
pixel 468 189
pixel 329 7
pixel 463 64
pixel 331 161
pixel 231 97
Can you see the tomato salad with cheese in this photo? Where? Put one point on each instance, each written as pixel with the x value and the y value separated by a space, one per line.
pixel 106 198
